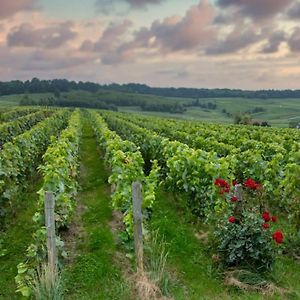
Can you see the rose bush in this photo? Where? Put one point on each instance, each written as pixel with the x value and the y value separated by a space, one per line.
pixel 244 236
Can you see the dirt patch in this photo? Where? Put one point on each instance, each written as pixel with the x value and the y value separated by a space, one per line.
pixel 82 171
pixel 202 236
pixel 296 256
pixel 116 224
pixel 146 289
pixel 75 233
pixel 263 287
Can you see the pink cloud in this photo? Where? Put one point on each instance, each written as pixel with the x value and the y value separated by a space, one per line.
pixel 35 45
pixel 187 33
pixel 26 35
pixel 173 34
pixel 107 6
pixel 110 38
pixel 53 60
pixel 139 3
pixel 256 9
pixel 274 41
pixel 294 11
pixel 10 7
pixel 294 40
pixel 239 38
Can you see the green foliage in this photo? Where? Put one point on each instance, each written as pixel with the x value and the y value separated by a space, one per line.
pixel 11 115
pixel 184 168
pixel 126 163
pixel 243 235
pixel 3 251
pixel 264 154
pixel 20 157
pixel 290 188
pixel 245 243
pixel 59 170
pixel 96 272
pixel 193 171
pixel 10 129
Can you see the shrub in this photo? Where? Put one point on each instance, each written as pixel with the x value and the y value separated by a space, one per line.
pixel 244 236
pixel 243 241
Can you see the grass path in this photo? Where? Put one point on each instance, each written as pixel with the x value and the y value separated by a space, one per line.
pixel 94 272
pixel 194 275
pixel 17 238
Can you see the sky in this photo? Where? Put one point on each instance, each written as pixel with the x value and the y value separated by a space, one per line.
pixel 245 44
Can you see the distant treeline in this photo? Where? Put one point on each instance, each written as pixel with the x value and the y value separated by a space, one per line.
pixel 63 102
pixel 108 104
pixel 163 107
pixel 111 102
pixel 255 110
pixel 62 85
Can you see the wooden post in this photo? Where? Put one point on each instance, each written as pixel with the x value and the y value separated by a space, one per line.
pixel 138 224
pixel 238 192
pixel 50 226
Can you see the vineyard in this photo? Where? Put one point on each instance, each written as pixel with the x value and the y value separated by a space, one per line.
pixel 220 207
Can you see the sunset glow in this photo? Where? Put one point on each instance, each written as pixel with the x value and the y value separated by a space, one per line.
pixel 248 44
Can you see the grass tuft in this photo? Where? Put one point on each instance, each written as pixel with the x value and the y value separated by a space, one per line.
pixel 47 284
pixel 156 262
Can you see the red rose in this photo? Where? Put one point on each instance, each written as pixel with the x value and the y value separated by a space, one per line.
pixel 278 237
pixel 234 198
pixel 251 184
pixel 218 181
pixel 231 219
pixel 274 219
pixel 266 216
pixel 266 225
pixel 234 182
pixel 222 183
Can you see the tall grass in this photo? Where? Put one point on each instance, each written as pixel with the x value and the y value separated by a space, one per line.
pixel 156 262
pixel 47 284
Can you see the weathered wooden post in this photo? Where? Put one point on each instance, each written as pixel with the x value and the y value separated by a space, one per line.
pixel 138 224
pixel 238 192
pixel 50 226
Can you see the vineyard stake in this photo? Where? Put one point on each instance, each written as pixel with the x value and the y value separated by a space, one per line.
pixel 238 192
pixel 50 227
pixel 138 224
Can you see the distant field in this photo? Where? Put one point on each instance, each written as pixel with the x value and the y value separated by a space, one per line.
pixel 113 95
pixel 278 112
pixel 15 99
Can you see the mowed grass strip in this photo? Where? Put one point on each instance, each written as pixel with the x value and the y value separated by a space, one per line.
pixel 94 273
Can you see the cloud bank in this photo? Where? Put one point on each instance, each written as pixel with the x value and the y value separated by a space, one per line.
pixel 10 7
pixel 204 43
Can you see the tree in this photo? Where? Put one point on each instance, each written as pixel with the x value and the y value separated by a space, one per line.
pixel 56 93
